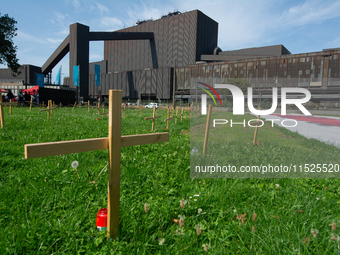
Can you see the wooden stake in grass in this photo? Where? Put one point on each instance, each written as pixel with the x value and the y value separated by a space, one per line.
pixel 256 128
pixel 114 143
pixel 191 107
pixel 88 106
pixel 75 104
pixel 52 106
pixel 10 104
pixel 206 131
pixel 49 108
pixel 168 118
pixel 2 117
pixel 176 115
pixel 153 118
pixel 31 102
pixel 103 113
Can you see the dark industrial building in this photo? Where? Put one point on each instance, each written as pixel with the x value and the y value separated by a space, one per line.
pixel 140 60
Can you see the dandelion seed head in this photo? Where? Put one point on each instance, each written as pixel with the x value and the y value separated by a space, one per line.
pixel 75 164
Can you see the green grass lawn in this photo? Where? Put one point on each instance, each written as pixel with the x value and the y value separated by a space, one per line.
pixel 47 207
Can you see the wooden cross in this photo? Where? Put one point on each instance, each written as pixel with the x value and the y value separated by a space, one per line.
pixel 103 113
pixel 153 118
pixel 124 110
pixel 49 108
pixel 176 115
pixel 140 110
pixel 168 118
pixel 114 143
pixel 10 104
pixel 30 102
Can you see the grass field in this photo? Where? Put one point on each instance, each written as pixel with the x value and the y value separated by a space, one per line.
pixel 47 207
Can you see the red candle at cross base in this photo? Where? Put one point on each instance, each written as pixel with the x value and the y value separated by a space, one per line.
pixel 102 219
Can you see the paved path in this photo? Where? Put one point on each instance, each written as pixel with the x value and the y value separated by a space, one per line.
pixel 326 129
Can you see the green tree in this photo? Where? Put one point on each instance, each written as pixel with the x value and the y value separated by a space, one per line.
pixel 7 48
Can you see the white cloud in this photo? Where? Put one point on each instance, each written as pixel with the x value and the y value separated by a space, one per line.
pixel 145 12
pixel 262 22
pixel 54 41
pixel 76 5
pixel 96 57
pixel 29 38
pixel 310 12
pixel 102 8
pixel 111 23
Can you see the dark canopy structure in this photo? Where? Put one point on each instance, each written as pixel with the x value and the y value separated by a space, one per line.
pixel 77 44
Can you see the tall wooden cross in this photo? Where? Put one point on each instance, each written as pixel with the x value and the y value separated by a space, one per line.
pixel 103 113
pixel 176 114
pixel 153 118
pixel 10 104
pixel 114 143
pixel 140 110
pixel 49 108
pixel 168 118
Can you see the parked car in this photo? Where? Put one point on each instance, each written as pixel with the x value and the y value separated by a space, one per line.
pixel 151 105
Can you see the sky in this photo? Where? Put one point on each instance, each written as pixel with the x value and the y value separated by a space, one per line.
pixel 301 26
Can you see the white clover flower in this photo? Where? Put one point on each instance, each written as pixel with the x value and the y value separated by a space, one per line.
pixel 194 151
pixel 161 241
pixel 199 210
pixel 75 164
pixel 277 186
pixel 179 232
